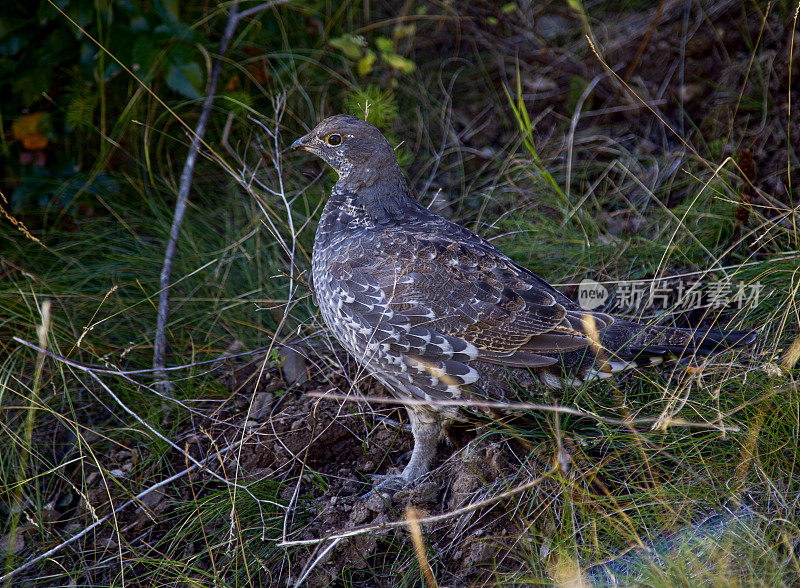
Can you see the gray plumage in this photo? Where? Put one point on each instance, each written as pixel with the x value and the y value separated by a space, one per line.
pixel 434 311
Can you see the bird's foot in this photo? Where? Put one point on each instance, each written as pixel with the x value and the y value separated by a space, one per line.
pixel 404 458
pixel 386 485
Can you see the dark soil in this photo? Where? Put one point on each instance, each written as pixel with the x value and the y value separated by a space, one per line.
pixel 344 444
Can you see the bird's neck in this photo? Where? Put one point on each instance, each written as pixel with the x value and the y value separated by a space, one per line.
pixel 377 197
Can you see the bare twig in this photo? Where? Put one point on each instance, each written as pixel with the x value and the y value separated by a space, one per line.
pixel 185 184
pixel 114 371
pixel 90 369
pixel 169 442
pixel 159 351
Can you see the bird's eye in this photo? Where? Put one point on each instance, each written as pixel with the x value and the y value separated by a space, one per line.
pixel 334 140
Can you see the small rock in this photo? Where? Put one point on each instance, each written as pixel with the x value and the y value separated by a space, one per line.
pixel 402 497
pixel 544 550
pixel 16 509
pixel 49 514
pixel 425 494
pixel 293 366
pixel 152 498
pixel 360 513
pixel 107 543
pixel 691 92
pixel 540 84
pixel 479 553
pixel 375 502
pixel 233 348
pixel 564 461
pixel 261 404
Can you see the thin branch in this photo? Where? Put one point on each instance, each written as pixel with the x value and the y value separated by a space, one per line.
pixel 160 343
pixel 99 369
pixel 89 369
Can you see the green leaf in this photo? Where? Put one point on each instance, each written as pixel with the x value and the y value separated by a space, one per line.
pixel 351 45
pixel 185 78
pixel 384 45
pixel 399 62
pixel 364 65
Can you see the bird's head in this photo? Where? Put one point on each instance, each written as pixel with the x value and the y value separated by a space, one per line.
pixel 355 149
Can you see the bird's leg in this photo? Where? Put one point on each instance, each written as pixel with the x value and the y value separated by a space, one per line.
pixel 426 427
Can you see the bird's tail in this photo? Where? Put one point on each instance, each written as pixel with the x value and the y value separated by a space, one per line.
pixel 687 342
pixel 709 341
pixel 626 345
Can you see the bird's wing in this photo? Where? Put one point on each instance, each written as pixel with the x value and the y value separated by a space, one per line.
pixel 443 303
pixel 472 291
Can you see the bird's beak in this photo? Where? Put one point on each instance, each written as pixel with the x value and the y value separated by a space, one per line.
pixel 301 143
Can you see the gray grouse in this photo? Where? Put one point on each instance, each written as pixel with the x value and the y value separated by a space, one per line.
pixel 435 312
